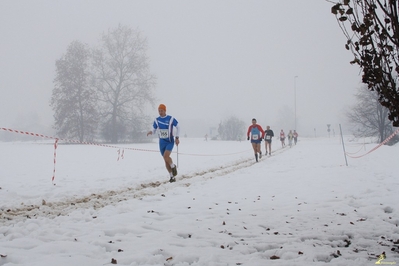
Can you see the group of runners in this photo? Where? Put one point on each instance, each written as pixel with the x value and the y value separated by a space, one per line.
pixel 164 125
pixel 292 136
pixel 256 134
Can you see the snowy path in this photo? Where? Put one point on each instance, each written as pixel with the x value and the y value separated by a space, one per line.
pixel 112 197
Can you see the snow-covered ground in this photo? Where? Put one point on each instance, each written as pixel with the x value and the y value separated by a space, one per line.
pixel 300 206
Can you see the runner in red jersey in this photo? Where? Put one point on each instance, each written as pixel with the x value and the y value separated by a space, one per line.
pixel 257 134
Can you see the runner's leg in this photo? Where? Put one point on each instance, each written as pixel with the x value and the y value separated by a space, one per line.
pixel 168 160
pixel 254 146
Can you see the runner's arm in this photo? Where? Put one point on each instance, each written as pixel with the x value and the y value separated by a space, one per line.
pixel 249 130
pixel 177 126
pixel 154 128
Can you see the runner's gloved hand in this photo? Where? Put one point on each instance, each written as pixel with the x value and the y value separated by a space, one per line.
pixel 248 138
pixel 260 139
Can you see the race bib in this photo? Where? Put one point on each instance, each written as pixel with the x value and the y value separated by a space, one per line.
pixel 267 137
pixel 164 133
pixel 255 137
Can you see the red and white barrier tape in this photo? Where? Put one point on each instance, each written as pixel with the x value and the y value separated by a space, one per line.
pixel 376 147
pixel 120 151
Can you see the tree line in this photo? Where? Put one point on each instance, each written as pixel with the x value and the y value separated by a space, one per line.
pixel 100 92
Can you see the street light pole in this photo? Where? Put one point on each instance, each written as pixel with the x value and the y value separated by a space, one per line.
pixel 295 99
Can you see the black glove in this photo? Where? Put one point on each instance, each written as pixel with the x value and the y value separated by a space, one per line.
pixel 260 139
pixel 248 138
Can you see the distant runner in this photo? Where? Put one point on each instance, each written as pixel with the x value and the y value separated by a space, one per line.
pixel 269 134
pixel 282 138
pixel 295 136
pixel 257 133
pixel 164 124
pixel 290 138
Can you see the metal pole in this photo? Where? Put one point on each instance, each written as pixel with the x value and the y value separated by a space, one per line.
pixel 343 145
pixel 177 163
pixel 295 100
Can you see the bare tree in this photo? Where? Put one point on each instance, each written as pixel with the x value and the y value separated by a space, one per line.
pixel 73 100
pixel 123 80
pixel 369 117
pixel 231 129
pixel 372 31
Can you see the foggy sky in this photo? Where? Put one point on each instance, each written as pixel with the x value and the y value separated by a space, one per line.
pixel 212 59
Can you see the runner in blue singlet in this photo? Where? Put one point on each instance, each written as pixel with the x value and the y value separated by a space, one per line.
pixel 164 125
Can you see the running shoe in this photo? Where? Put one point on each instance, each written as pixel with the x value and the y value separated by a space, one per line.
pixel 174 171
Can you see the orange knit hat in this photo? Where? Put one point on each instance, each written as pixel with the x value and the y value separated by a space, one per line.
pixel 162 106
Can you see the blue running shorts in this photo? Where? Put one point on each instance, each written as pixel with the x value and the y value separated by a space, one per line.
pixel 165 146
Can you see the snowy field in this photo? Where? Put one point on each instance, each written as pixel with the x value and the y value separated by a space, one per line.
pixel 300 206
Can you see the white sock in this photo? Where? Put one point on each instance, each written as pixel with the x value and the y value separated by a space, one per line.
pixel 172 165
pixel 171 175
